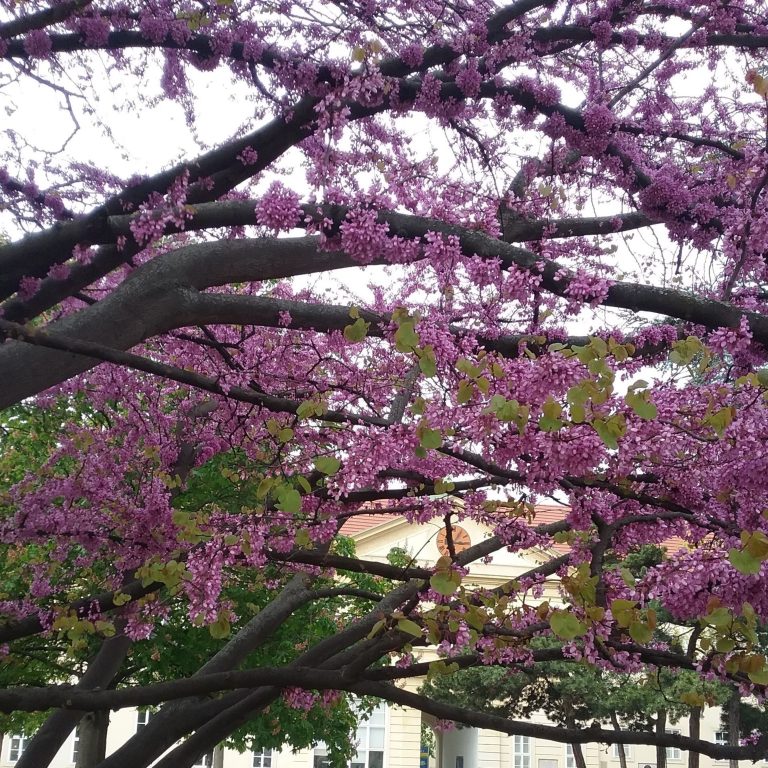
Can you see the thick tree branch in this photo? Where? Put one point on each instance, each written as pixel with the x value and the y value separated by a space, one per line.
pixel 101 671
pixel 555 733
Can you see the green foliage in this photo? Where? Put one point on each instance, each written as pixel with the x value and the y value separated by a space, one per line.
pixel 573 693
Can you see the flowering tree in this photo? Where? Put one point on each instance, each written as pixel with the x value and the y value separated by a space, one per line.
pixel 496 179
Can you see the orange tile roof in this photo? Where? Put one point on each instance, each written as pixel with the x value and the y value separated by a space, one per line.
pixel 545 513
pixel 361 523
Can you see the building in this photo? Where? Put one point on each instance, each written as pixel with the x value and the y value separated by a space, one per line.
pixel 392 737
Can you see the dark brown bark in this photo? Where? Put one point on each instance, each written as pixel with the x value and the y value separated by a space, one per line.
pixel 694 731
pixel 92 745
pixel 661 728
pixel 734 723
pixel 56 729
pixel 578 756
pixel 622 752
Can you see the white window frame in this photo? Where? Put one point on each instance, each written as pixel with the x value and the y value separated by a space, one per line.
pixel 17 743
pixel 363 737
pixel 76 744
pixel 143 716
pixel 262 757
pixel 570 758
pixel 721 738
pixel 674 753
pixel 615 751
pixel 206 761
pixel 521 751
pixel 362 725
pixel 320 746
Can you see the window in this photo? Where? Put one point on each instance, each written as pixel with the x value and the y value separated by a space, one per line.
pixel 522 752
pixel 17 744
pixel 321 757
pixel 142 718
pixel 615 754
pixel 206 761
pixel 76 745
pixel 262 758
pixel 674 753
pixel 370 740
pixel 570 760
pixel 546 763
pixel 721 738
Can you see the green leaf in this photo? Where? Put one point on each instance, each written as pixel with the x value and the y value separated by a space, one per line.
pixel 376 628
pixel 444 486
pixel 409 627
pixel 220 628
pixel 430 438
pixel 641 405
pixel 610 429
pixel 306 409
pixel 427 361
pixel 357 331
pixel 601 427
pixel 725 644
pixel 760 677
pixel 406 338
pixel 264 487
pixel 743 561
pixel 550 420
pixel 566 626
pixel 756 543
pixel 720 617
pixel 466 390
pixel 289 501
pixel 623 611
pixel 328 465
pixel 445 582
pixel 508 411
pixel 577 395
pixel 627 577
pixel 284 435
pixel 120 598
pixel 302 538
pixel 640 632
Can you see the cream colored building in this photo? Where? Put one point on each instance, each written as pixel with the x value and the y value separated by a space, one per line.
pixel 392 737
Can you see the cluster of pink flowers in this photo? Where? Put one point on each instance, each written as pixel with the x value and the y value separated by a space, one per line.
pixel 278 208
pixel 37 44
pixel 298 698
pixel 731 340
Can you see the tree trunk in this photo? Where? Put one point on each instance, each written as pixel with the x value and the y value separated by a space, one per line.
pixel 694 731
pixel 661 729
pixel 734 723
pixel 578 756
pixel 92 744
pixel 56 729
pixel 578 752
pixel 622 752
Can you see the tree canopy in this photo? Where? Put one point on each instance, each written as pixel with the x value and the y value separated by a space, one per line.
pixel 439 259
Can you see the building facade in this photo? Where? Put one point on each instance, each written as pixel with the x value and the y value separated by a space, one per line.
pixel 392 737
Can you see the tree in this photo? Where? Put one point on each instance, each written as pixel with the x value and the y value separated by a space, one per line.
pixel 179 647
pixel 517 175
